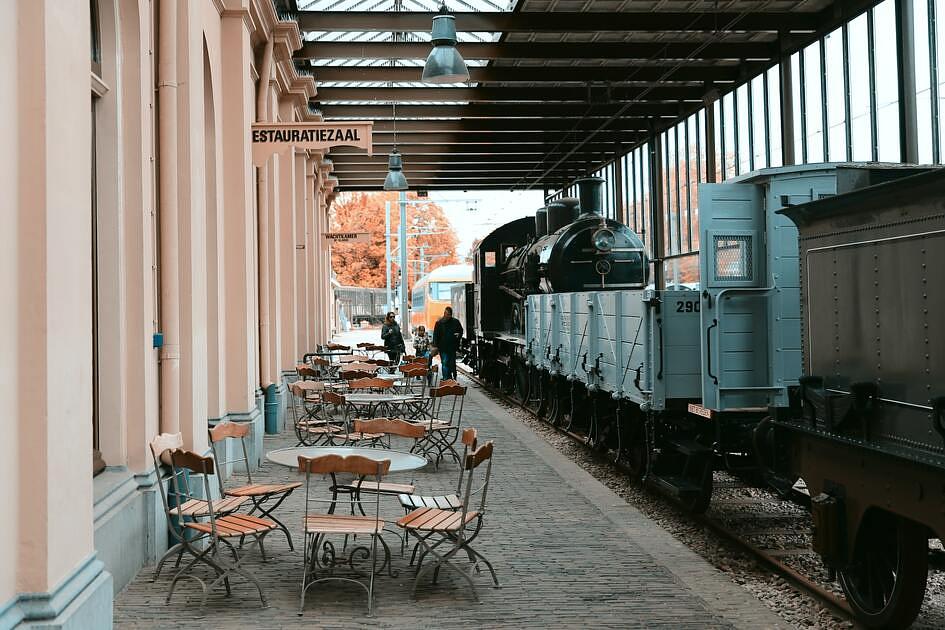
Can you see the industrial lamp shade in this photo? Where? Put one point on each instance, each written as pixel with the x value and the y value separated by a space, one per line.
pixel 395 179
pixel 444 64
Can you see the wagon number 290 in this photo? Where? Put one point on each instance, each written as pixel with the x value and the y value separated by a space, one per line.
pixel 687 306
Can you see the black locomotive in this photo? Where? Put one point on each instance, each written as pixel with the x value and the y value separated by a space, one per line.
pixel 570 246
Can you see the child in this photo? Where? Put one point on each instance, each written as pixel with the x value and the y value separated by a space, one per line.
pixel 421 348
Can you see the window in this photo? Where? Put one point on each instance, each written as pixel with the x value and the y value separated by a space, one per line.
pixel 733 257
pixel 418 299
pixel 490 259
pixel 441 290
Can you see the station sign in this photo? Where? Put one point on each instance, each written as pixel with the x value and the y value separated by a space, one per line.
pixel 269 138
pixel 347 237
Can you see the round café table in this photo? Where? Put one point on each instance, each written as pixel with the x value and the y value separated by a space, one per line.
pixel 399 460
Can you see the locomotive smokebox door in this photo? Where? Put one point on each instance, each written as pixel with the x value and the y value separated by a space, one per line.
pixel 735 297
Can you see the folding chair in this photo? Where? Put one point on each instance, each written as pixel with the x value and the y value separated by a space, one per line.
pixel 266 497
pixel 412 501
pixel 352 375
pixel 217 532
pixel 445 414
pixel 443 534
pixel 383 428
pixel 416 378
pixel 178 508
pixel 320 554
pixel 314 427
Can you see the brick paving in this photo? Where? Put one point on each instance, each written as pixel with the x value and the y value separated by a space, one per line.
pixel 568 552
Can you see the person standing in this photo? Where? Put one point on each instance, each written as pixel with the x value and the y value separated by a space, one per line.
pixel 446 338
pixel 393 338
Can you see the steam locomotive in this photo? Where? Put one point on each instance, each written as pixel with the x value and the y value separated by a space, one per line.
pixel 679 382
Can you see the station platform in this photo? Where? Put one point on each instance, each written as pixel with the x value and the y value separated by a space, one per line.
pixel 568 551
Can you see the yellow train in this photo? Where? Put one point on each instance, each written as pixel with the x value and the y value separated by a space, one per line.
pixel 432 293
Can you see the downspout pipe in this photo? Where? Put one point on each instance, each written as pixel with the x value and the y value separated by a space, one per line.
pixel 169 218
pixel 262 221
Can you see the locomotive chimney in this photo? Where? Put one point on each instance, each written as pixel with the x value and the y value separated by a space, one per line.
pixel 590 192
pixel 541 222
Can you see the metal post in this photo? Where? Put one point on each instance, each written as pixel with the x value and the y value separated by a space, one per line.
pixel 787 112
pixel 656 211
pixel 905 40
pixel 620 208
pixel 390 303
pixel 404 315
pixel 710 147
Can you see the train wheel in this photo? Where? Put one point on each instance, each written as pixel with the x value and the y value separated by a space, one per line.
pixel 699 503
pixel 885 582
pixel 543 388
pixel 521 381
pixel 638 454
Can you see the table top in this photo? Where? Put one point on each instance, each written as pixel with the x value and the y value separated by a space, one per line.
pixel 400 461
pixel 354 358
pixel 358 366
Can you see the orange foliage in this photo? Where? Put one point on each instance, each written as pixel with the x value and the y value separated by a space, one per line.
pixel 363 264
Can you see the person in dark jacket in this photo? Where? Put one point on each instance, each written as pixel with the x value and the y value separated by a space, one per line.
pixel 446 339
pixel 393 338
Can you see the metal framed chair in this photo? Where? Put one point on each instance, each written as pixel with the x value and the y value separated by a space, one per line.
pixel 312 425
pixel 217 532
pixel 371 384
pixel 442 534
pixel 353 375
pixel 320 557
pixel 411 501
pixel 445 415
pixel 383 429
pixel 266 497
pixel 179 508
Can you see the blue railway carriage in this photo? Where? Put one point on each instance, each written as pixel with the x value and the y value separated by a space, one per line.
pixel 675 381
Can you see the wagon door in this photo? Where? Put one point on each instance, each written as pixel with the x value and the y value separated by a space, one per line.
pixel 734 304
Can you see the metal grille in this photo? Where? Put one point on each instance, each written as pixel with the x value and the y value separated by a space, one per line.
pixel 733 260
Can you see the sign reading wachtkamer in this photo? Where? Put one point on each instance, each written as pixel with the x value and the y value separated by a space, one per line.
pixel 269 138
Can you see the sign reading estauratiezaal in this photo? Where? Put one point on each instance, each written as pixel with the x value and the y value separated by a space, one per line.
pixel 269 138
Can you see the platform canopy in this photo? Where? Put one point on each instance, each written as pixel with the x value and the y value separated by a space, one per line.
pixel 557 87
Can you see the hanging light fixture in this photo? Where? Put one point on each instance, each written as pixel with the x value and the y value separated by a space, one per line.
pixel 445 64
pixel 395 180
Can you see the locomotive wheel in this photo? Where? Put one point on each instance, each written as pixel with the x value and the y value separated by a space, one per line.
pixel 885 582
pixel 521 381
pixel 699 503
pixel 543 384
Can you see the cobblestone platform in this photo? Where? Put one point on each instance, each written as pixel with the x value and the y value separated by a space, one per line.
pixel 568 552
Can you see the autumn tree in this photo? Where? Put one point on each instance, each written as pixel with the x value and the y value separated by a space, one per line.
pixel 430 238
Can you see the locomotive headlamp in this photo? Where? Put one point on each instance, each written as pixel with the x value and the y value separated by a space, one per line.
pixel 445 64
pixel 604 239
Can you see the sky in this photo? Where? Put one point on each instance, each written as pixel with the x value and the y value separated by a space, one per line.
pixel 475 213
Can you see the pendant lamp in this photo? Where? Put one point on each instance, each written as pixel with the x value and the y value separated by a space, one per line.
pixel 395 180
pixel 444 64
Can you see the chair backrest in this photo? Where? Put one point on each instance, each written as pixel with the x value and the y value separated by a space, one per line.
pixel 306 373
pixel 370 383
pixel 380 362
pixel 224 431
pixel 471 462
pixel 333 398
pixel 334 464
pixel 320 362
pixel 364 344
pixel 369 368
pixel 390 426
pixel 337 346
pixel 188 460
pixel 452 412
pixel 161 448
pixel 350 375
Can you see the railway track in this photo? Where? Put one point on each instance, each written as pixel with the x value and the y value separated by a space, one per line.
pixel 732 519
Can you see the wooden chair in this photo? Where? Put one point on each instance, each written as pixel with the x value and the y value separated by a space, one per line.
pixel 320 554
pixel 416 378
pixel 218 531
pixel 412 501
pixel 312 426
pixel 177 508
pixel 443 534
pixel 445 416
pixel 332 347
pixel 266 497
pixel 382 428
pixel 306 373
